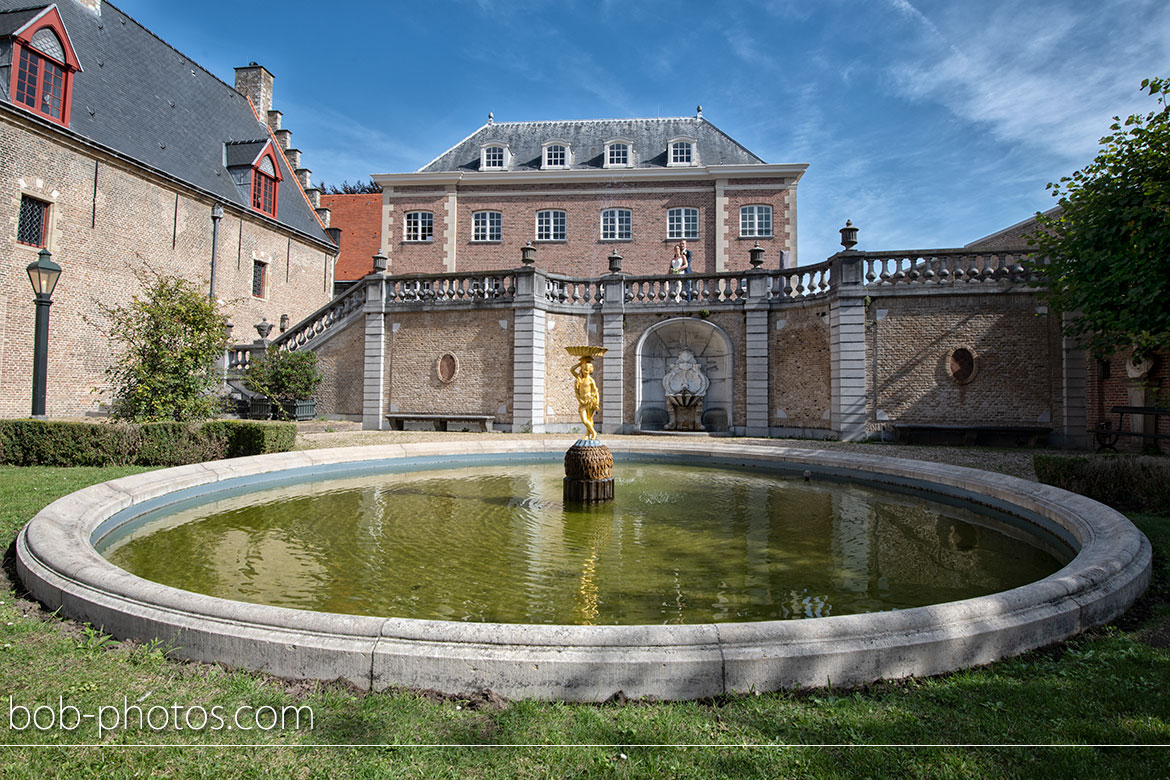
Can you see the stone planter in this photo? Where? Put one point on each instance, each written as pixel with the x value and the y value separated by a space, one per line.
pixel 264 409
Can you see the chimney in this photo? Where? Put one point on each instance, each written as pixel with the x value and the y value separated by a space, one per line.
pixel 274 119
pixel 92 5
pixel 324 213
pixel 294 158
pixel 314 196
pixel 255 83
pixel 303 176
pixel 284 138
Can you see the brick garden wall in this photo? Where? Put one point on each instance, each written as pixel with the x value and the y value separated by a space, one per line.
pixel 566 330
pixel 799 376
pixel 415 341
pixel 135 222
pixel 339 359
pixel 1017 356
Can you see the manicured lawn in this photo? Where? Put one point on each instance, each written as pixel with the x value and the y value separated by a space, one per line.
pixel 1109 687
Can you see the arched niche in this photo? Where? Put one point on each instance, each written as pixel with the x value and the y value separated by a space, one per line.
pixel 659 348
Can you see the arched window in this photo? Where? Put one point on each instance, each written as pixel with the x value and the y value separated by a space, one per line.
pixel 682 223
pixel 420 226
pixel 265 175
pixel 755 222
pixel 487 226
pixel 556 155
pixel 550 225
pixel 617 155
pixel 616 225
pixel 43 66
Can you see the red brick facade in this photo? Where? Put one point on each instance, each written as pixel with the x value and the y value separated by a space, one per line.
pixel 718 247
pixel 359 217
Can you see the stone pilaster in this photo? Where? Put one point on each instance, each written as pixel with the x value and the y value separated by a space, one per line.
pixel 847 348
pixel 756 359
pixel 374 375
pixel 528 358
pixel 613 364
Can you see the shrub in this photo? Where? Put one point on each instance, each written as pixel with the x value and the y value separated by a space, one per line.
pixel 284 376
pixel 67 443
pixel 170 339
pixel 1124 482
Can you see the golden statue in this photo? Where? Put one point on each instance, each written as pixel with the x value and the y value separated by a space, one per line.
pixel 588 399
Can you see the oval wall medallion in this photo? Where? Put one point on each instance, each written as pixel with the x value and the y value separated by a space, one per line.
pixel 961 365
pixel 448 368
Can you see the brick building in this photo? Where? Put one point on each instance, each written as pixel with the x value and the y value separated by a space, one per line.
pixel 361 216
pixel 119 154
pixel 581 190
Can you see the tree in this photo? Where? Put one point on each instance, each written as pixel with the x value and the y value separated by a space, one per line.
pixel 1106 255
pixel 358 188
pixel 171 337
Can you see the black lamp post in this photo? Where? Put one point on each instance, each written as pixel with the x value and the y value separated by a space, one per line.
pixel 43 274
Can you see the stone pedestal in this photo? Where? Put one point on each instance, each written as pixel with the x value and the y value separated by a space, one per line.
pixel 588 472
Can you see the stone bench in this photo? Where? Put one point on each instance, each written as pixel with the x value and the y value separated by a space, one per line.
pixel 1017 435
pixel 442 422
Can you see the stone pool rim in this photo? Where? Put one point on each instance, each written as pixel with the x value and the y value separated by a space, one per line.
pixel 57 562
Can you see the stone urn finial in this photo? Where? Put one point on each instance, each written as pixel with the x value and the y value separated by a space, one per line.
pixel 264 328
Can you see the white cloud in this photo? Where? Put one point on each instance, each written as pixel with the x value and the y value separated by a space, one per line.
pixel 1034 73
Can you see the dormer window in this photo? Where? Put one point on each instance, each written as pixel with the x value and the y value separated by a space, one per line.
pixel 43 66
pixel 494 157
pixel 556 155
pixel 264 186
pixel 619 153
pixel 254 169
pixel 681 152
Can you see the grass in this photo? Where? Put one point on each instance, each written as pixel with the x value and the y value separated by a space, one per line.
pixel 1108 687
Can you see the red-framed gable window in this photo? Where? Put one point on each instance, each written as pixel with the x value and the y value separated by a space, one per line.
pixel 265 178
pixel 43 66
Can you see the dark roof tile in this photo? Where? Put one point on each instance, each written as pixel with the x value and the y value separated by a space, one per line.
pixel 587 137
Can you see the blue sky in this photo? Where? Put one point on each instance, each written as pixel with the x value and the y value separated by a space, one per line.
pixel 928 124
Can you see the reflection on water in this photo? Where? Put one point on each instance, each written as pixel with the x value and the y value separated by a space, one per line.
pixel 495 543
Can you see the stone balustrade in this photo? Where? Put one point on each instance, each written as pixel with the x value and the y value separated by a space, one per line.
pixel 946 266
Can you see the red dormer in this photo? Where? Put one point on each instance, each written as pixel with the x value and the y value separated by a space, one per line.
pixel 43 64
pixel 265 177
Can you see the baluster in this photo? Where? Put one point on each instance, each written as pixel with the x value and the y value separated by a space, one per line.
pixel 870 276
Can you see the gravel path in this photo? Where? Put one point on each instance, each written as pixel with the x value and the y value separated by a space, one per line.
pixel 1017 462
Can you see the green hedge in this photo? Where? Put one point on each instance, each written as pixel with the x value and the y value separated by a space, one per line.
pixel 67 443
pixel 1125 482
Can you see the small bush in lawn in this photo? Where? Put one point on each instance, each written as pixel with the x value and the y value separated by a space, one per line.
pixel 1124 482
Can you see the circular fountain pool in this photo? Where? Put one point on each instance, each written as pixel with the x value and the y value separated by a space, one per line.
pixel 701 559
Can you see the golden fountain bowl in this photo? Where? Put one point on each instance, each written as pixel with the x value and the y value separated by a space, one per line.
pixel 586 351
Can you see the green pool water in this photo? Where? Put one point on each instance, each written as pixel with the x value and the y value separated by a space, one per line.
pixel 679 544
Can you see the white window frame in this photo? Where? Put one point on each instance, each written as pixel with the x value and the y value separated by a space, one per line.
pixel 678 222
pixel 566 155
pixel 674 148
pixel 547 224
pixel 487 227
pixel 416 229
pixel 750 222
pixel 614 227
pixel 505 157
pixel 609 150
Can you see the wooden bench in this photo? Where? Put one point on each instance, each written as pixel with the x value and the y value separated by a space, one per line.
pixel 442 422
pixel 1107 435
pixel 1018 435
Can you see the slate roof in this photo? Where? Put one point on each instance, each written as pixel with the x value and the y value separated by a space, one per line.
pixel 147 101
pixel 14 19
pixel 587 138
